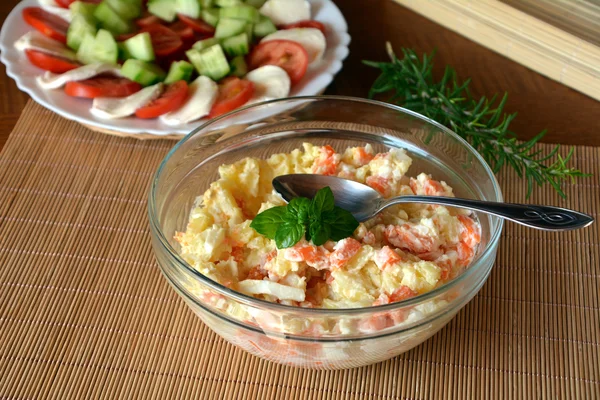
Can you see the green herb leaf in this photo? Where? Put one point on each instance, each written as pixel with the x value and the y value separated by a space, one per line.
pixel 342 223
pixel 319 232
pixel 267 222
pixel 300 207
pixel 322 202
pixel 288 234
pixel 483 123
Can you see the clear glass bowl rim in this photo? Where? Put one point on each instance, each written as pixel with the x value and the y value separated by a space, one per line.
pixel 258 303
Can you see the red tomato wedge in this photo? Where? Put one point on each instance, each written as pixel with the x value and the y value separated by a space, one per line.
pixel 49 24
pixel 309 23
pixel 197 25
pixel 49 62
pixel 173 98
pixel 147 20
pixel 184 31
pixel 164 40
pixel 102 86
pixel 67 3
pixel 290 56
pixel 233 93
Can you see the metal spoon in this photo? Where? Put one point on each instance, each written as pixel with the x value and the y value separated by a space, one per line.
pixel 364 203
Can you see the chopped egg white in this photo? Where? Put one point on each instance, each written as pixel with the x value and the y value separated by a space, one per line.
pixel 34 40
pixel 113 108
pixel 202 95
pixel 283 12
pixel 311 39
pixel 55 81
pixel 270 82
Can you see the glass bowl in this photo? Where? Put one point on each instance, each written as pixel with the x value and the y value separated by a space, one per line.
pixel 303 337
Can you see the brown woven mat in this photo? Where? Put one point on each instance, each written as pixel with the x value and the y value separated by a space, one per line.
pixel 85 313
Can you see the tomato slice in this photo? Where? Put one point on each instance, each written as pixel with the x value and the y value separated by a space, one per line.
pixel 49 62
pixel 67 3
pixel 184 31
pixel 196 24
pixel 164 40
pixel 233 93
pixel 49 24
pixel 309 23
pixel 102 86
pixel 147 20
pixel 290 56
pixel 171 100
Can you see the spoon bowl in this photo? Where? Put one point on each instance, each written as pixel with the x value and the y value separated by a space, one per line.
pixel 365 203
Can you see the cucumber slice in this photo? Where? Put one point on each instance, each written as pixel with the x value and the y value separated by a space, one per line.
pixel 105 47
pixel 127 9
pixel 86 49
pixel 211 16
pixel 163 9
pixel 139 47
pixel 210 62
pixel 237 45
pixel 206 4
pixel 110 20
pixel 238 66
pixel 256 3
pixel 179 71
pixel 264 27
pixel 80 27
pixel 191 8
pixel 205 44
pixel 84 9
pixel 243 12
pixel 227 3
pixel 142 72
pixel 228 27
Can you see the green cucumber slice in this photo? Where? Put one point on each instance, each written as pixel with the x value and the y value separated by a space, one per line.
pixel 163 9
pixel 86 49
pixel 139 47
pixel 210 62
pixel 264 27
pixel 237 45
pixel 80 27
pixel 205 44
pixel 227 3
pixel 228 27
pixel 206 4
pixel 84 9
pixel 142 72
pixel 256 3
pixel 191 8
pixel 238 66
pixel 105 47
pixel 179 71
pixel 211 16
pixel 243 12
pixel 110 20
pixel 127 9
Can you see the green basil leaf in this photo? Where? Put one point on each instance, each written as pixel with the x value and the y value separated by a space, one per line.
pixel 341 222
pixel 300 206
pixel 319 232
pixel 288 234
pixel 267 222
pixel 322 202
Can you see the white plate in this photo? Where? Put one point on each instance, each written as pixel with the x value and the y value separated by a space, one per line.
pixel 318 77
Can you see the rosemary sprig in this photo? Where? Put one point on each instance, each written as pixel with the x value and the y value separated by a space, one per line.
pixel 482 123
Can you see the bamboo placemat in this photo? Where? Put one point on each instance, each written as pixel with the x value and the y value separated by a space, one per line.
pixel 85 312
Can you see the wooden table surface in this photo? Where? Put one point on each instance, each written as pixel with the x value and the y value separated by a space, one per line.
pixel 569 116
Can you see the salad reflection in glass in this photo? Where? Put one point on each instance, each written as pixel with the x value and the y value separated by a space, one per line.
pixel 405 251
pixel 178 61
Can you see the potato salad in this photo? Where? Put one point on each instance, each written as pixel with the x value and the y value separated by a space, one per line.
pixel 404 251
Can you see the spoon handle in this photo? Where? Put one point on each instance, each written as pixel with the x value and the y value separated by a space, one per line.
pixel 534 216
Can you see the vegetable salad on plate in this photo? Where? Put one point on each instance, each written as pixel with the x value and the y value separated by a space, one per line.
pixel 176 60
pixel 405 251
